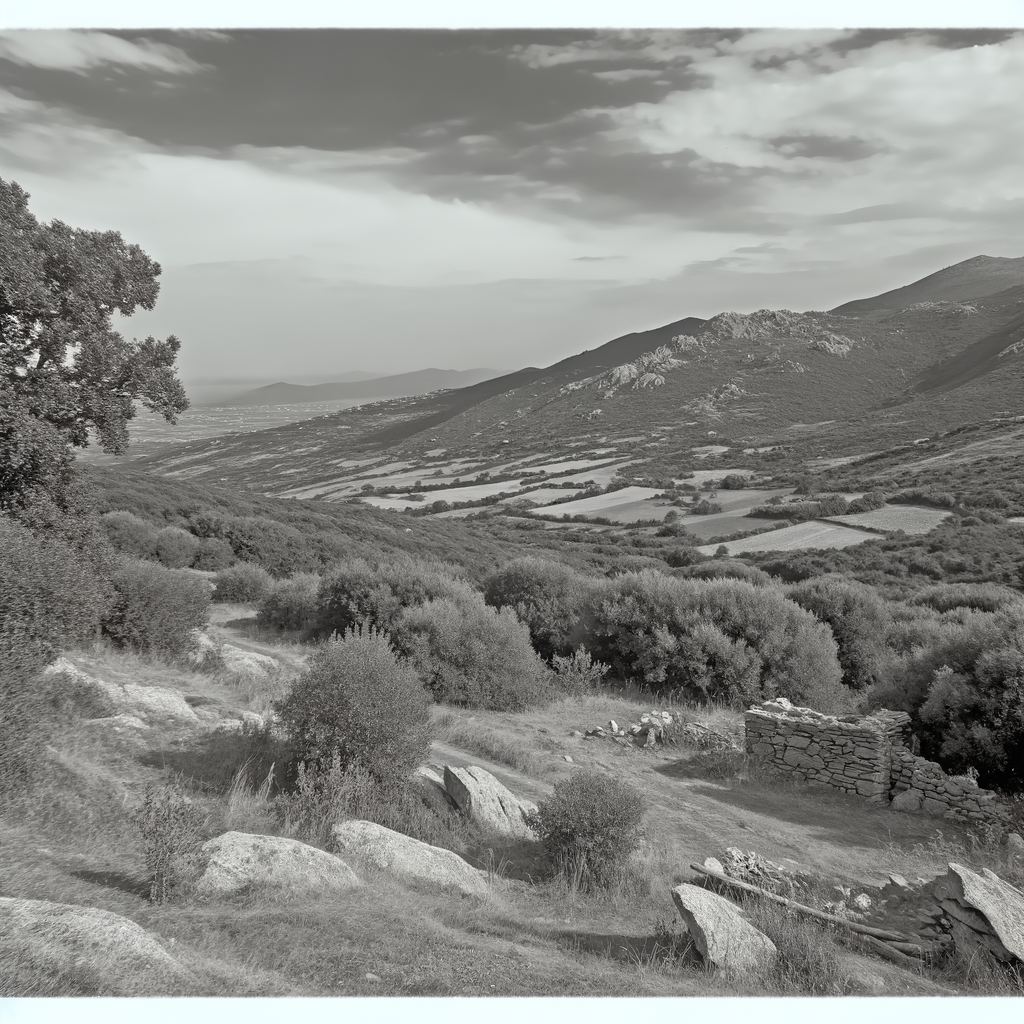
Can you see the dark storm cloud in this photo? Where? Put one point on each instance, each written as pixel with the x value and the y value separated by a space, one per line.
pixel 825 146
pixel 539 128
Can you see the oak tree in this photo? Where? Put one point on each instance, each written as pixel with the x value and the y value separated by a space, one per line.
pixel 64 371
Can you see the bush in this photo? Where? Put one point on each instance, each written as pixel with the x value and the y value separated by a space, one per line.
pixel 292 604
pixel 212 554
pixel 472 655
pixel 858 619
pixel 547 596
pixel 704 507
pixel 589 825
pixel 155 610
pixel 720 569
pixel 359 700
pixel 718 639
pixel 579 673
pixel 129 534
pixel 51 596
pixel 176 548
pixel 244 582
pixel 986 597
pixel 377 592
pixel 734 482
pixel 325 794
pixel 172 829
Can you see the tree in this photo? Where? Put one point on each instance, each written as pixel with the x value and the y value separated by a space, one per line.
pixel 63 369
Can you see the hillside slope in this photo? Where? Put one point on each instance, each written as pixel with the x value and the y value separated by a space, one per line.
pixel 972 279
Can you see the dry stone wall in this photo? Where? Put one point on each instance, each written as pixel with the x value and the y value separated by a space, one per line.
pixel 870 756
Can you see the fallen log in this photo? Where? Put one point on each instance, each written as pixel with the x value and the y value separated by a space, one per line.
pixel 884 949
pixel 800 908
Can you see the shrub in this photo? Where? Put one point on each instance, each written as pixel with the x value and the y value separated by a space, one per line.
pixel 472 655
pixel 175 548
pixel 986 597
pixel 720 639
pixel 858 619
pixel 129 534
pixel 359 700
pixel 51 596
pixel 325 794
pixel 579 673
pixel 546 595
pixel 377 592
pixel 292 604
pixel 212 554
pixel 721 569
pixel 589 825
pixel 171 829
pixel 704 507
pixel 734 482
pixel 243 582
pixel 155 610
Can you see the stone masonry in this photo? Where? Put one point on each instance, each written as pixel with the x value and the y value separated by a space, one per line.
pixel 869 756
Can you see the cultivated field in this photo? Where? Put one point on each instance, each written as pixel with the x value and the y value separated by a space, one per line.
pixel 908 518
pixel 804 536
pixel 631 499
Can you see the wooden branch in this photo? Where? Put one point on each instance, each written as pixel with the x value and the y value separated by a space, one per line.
pixel 839 922
pixel 884 949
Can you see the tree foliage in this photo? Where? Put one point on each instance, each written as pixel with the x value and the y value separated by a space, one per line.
pixel 63 369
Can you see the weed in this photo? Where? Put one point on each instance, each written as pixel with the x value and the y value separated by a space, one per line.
pixel 172 828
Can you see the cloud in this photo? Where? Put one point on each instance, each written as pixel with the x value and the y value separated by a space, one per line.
pixel 80 52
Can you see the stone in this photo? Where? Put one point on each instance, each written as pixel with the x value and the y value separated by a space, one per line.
pixel 57 947
pixel 250 662
pixel 720 932
pixel 237 861
pixel 202 650
pixel 567 757
pixel 406 858
pixel 908 800
pixel 576 734
pixel 1015 845
pixel 128 698
pixel 714 864
pixel 482 798
pixel 936 807
pixel 1000 903
pixel 862 902
pixel 899 881
pixel 613 727
pixel 428 780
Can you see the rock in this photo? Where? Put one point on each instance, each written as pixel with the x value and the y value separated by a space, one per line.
pixel 57 949
pixel 613 727
pixel 862 902
pixel 567 757
pixel 248 662
pixel 1015 845
pixel 237 861
pixel 428 780
pixel 714 864
pixel 1000 903
pixel 576 734
pixel 407 858
pixel 483 799
pixel 129 698
pixel 721 933
pixel 899 881
pixel 908 800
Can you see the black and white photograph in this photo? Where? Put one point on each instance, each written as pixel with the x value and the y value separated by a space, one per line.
pixel 511 504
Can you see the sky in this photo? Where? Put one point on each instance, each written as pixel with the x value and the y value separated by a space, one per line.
pixel 324 201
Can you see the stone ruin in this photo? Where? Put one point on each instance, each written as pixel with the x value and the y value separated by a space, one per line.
pixel 871 756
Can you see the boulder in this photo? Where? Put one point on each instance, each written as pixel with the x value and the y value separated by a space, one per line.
pixel 908 800
pixel 720 932
pixel 428 780
pixel 249 662
pixel 997 901
pixel 202 650
pixel 236 861
pixel 57 949
pixel 406 858
pixel 129 698
pixel 483 799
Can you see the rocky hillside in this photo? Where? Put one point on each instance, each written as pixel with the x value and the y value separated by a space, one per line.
pixel 954 354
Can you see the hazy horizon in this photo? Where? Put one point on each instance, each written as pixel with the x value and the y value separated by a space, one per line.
pixel 331 201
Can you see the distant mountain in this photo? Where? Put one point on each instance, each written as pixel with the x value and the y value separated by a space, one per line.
pixel 400 385
pixel 975 278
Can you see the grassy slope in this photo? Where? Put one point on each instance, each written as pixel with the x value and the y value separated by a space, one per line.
pixel 71 843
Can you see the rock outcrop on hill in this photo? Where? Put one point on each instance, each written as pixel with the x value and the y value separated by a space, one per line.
pixel 238 861
pixel 58 949
pixel 720 932
pixel 407 859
